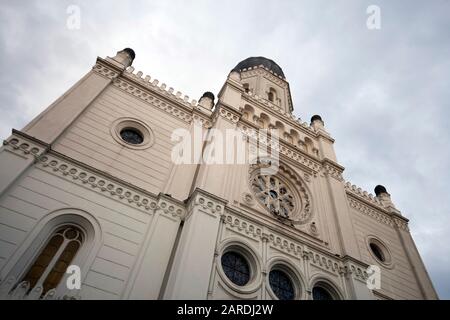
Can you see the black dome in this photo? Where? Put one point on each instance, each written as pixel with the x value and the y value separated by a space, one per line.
pixel 257 61
pixel 379 190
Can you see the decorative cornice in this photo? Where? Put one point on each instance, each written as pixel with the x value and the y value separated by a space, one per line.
pixel 25 145
pixel 84 175
pixel 318 258
pixel 363 195
pixel 333 169
pixel 106 69
pixel 207 202
pixel 374 213
pixel 228 113
pixel 111 188
pixel 401 223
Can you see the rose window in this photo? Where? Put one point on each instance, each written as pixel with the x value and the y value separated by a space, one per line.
pixel 285 198
pixel 274 195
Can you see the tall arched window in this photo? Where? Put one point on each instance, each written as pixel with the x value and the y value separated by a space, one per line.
pixel 51 264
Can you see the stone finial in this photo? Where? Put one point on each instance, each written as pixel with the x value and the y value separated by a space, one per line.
pixel 317 122
pixel 207 100
pixel 385 198
pixel 125 57
pixel 379 190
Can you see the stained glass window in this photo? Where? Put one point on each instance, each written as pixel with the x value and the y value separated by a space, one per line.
pixel 52 262
pixel 236 268
pixel 281 285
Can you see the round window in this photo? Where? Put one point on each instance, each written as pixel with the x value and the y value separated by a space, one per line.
pixel 132 136
pixel 132 133
pixel 274 195
pixel 284 195
pixel 281 285
pixel 379 251
pixel 236 268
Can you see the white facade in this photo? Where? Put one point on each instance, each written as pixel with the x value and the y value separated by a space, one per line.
pixel 152 229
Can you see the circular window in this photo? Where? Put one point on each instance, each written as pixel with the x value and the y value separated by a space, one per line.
pixel 274 195
pixel 379 251
pixel 320 293
pixel 132 133
pixel 286 198
pixel 281 284
pixel 236 268
pixel 132 136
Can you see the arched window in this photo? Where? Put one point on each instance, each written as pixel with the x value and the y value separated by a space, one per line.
pixel 281 285
pixel 51 264
pixel 324 291
pixel 272 95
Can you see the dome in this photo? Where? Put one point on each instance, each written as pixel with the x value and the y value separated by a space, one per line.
pixel 257 61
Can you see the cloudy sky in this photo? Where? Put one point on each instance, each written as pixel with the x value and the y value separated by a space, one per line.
pixel 383 94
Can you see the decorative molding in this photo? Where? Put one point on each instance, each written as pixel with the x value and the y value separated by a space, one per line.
pixel 105 70
pixel 363 195
pixel 149 97
pixel 80 175
pixel 226 112
pixel 323 262
pixel 370 211
pixel 401 223
pixel 354 269
pixel 23 145
pixel 333 170
pixel 248 199
pixel 207 202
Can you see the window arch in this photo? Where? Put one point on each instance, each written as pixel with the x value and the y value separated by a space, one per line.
pixel 325 290
pixel 25 257
pixel 50 265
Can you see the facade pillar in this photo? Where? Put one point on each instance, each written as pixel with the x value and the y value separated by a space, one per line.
pixel 191 269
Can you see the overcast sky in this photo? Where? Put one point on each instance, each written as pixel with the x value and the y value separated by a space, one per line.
pixel 384 94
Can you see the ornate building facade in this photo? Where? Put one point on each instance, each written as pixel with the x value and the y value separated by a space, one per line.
pixel 91 182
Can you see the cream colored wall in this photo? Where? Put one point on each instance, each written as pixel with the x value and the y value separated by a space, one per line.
pixel 137 230
pixel 89 140
pixel 398 280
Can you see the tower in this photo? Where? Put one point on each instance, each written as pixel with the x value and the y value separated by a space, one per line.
pixel 93 182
